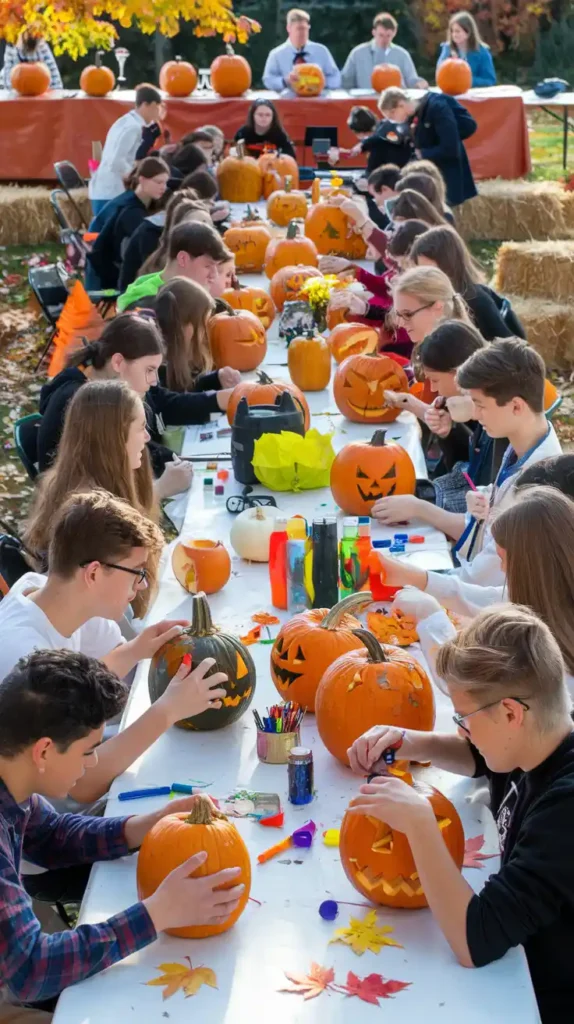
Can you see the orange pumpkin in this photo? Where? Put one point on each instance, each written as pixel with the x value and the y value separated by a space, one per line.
pixel 175 838
pixel 551 395
pixel 201 565
pixel 384 76
pixel 239 178
pixel 309 80
pixel 264 391
pixel 333 234
pixel 285 204
pixel 237 339
pixel 359 386
pixel 378 860
pixel 336 316
pixel 287 283
pixel 366 471
pixel 249 244
pixel 30 78
pixel 97 79
pixel 295 248
pixel 309 362
pixel 371 685
pixel 351 340
pixel 276 168
pixel 230 74
pixel 309 642
pixel 178 78
pixel 454 76
pixel 256 300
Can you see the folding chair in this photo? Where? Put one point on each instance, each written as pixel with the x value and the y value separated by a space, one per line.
pixel 48 286
pixel 70 237
pixel 69 178
pixel 26 441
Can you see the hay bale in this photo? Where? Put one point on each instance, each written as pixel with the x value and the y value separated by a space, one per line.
pixel 514 210
pixel 549 329
pixel 568 209
pixel 536 269
pixel 27 217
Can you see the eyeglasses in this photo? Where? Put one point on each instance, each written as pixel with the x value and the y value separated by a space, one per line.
pixel 142 574
pixel 459 720
pixel 409 314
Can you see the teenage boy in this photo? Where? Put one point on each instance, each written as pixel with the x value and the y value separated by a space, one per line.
pixel 98 554
pixel 195 251
pixel 53 707
pixel 505 677
pixel 381 49
pixel 130 138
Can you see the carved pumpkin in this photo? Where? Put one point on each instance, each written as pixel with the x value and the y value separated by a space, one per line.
pixel 349 339
pixel 285 204
pixel 309 80
pixel 366 471
pixel 249 244
pixel 378 860
pixel 264 391
pixel 384 76
pixel 309 362
pixel 294 249
pixel 239 178
pixel 97 79
pixel 454 76
pixel 371 685
pixel 237 339
pixel 30 78
pixel 230 74
pixel 201 565
pixel 175 838
pixel 178 78
pixel 251 532
pixel 256 300
pixel 277 167
pixel 203 640
pixel 333 233
pixel 359 386
pixel 287 283
pixel 309 642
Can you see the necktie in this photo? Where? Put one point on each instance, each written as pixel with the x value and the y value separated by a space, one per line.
pixel 300 57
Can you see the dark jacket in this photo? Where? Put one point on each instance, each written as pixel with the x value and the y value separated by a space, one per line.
pixel 486 314
pixel 389 144
pixel 255 143
pixel 142 243
pixel 438 128
pixel 106 254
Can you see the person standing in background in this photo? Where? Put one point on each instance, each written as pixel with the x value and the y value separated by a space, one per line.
pixel 30 48
pixel 381 49
pixel 463 41
pixel 298 49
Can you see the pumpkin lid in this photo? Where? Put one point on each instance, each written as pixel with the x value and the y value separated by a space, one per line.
pixel 204 811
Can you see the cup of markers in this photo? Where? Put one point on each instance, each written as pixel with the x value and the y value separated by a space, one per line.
pixel 278 732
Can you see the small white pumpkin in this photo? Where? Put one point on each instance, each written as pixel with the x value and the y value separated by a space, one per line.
pixel 251 531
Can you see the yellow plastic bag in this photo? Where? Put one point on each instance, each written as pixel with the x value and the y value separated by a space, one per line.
pixel 289 462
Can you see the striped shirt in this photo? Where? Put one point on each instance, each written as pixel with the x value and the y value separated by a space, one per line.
pixel 13 56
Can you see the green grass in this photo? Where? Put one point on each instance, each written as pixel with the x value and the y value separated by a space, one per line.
pixel 545 135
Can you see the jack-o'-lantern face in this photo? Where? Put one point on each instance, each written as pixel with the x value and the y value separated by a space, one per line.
pixel 373 489
pixel 237 339
pixel 364 472
pixel 360 384
pixel 352 339
pixel 249 245
pixel 287 282
pixel 309 80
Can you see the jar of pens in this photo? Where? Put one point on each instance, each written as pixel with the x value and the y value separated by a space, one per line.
pixel 278 732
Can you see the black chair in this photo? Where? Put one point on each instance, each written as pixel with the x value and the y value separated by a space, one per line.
pixel 26 441
pixel 315 138
pixel 49 288
pixel 69 178
pixel 76 248
pixel 56 197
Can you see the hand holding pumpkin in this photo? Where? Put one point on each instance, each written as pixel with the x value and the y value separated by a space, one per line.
pixel 392 801
pixel 180 901
pixel 229 378
pixel 153 637
pixel 191 693
pixel 354 211
pixel 223 397
pixel 138 826
pixel 399 508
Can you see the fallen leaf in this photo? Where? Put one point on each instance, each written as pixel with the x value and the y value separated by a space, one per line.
pixel 365 935
pixel 472 856
pixel 265 619
pixel 372 988
pixel 188 979
pixel 312 984
pixel 252 637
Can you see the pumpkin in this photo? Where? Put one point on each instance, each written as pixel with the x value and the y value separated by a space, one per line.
pixel 264 391
pixel 249 244
pixel 307 644
pixel 384 76
pixel 251 532
pixel 30 78
pixel 551 395
pixel 175 838
pixel 239 178
pixel 359 386
pixel 336 316
pixel 295 248
pixel 230 74
pixel 307 80
pixel 309 362
pixel 276 168
pixel 371 685
pixel 237 339
pixel 203 640
pixel 97 79
pixel 201 565
pixel 178 78
pixel 366 471
pixel 287 283
pixel 454 76
pixel 378 860
pixel 256 300
pixel 333 233
pixel 284 204
pixel 349 339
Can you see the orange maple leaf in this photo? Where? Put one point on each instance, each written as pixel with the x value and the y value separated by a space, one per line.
pixel 252 637
pixel 188 979
pixel 265 619
pixel 312 984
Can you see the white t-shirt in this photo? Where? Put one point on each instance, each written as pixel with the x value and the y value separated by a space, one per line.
pixel 25 628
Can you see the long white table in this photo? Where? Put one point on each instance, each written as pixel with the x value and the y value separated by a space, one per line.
pixel 285 932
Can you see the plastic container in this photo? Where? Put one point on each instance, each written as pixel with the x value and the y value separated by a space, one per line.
pixel 278 563
pixel 297 549
pixel 325 573
pixel 348 556
pixel 377 585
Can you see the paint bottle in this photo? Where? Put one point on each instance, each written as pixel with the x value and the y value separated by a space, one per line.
pixel 325 562
pixel 300 774
pixel 364 548
pixel 377 575
pixel 297 549
pixel 278 563
pixel 348 556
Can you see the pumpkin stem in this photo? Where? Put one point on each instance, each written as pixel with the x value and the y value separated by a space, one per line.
pixel 288 182
pixel 201 623
pixel 178 60
pixel 263 378
pixel 203 812
pixel 350 604
pixel 378 438
pixel 229 50
pixel 293 229
pixel 376 652
pixel 240 148
pixel 259 513
pixel 99 55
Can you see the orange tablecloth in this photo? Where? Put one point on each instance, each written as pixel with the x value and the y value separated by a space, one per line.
pixel 34 133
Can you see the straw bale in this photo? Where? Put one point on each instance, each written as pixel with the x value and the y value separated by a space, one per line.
pixel 568 209
pixel 536 269
pixel 514 210
pixel 27 218
pixel 549 329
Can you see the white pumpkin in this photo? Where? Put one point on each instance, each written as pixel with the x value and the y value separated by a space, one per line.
pixel 251 531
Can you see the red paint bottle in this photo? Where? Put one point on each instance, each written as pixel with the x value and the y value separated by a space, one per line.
pixel 278 564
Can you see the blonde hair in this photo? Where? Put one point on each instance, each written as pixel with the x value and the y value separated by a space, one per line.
pixel 178 304
pixel 296 14
pixel 390 99
pixel 468 25
pixel 429 284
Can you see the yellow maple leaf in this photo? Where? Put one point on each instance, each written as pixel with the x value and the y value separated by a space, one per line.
pixel 365 935
pixel 188 979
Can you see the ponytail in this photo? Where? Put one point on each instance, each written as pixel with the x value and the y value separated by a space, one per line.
pixel 132 335
pixel 460 309
pixel 179 376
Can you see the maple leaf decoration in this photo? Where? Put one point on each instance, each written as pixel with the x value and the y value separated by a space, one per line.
pixel 188 979
pixel 372 988
pixel 310 985
pixel 365 935
pixel 472 856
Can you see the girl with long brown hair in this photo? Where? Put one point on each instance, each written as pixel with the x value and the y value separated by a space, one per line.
pixel 463 41
pixel 183 309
